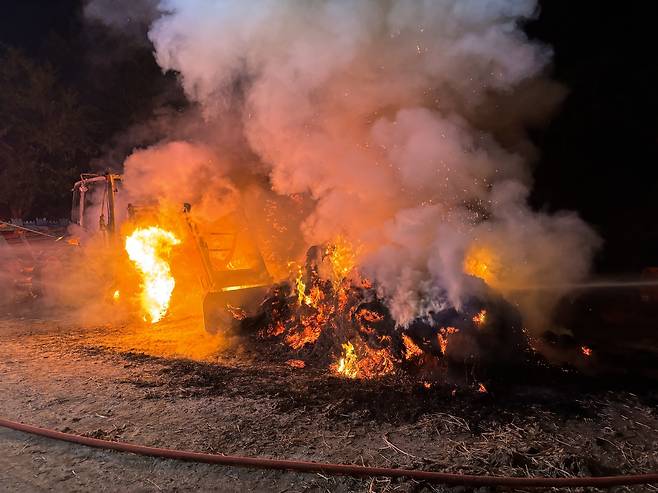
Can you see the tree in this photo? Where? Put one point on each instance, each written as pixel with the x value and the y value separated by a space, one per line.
pixel 44 137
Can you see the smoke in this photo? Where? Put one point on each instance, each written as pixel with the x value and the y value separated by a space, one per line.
pixel 401 122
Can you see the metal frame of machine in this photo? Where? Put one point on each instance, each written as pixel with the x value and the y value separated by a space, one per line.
pixel 230 293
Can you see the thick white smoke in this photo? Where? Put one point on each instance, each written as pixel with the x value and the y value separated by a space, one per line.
pixel 390 115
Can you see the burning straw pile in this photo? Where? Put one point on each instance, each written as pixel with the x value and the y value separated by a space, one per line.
pixel 330 315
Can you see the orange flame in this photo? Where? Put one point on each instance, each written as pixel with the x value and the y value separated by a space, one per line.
pixel 587 351
pixel 480 318
pixel 347 365
pixel 148 248
pixel 300 287
pixel 374 362
pixel 275 330
pixel 442 336
pixel 411 350
pixel 342 256
pixel 307 335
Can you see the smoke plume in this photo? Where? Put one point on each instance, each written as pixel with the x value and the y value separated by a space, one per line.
pixel 400 122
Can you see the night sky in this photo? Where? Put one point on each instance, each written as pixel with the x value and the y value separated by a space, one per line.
pixel 598 154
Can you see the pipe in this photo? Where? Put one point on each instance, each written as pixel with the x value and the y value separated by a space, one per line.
pixel 29 230
pixel 588 285
pixel 336 469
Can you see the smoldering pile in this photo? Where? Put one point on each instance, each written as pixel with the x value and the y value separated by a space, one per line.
pixel 342 324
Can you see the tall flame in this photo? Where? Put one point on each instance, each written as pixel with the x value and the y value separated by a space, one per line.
pixel 148 248
pixel 348 364
pixel 342 255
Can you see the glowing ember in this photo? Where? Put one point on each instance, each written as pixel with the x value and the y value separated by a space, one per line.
pixel 480 318
pixel 148 249
pixel 116 295
pixel 587 351
pixel 481 388
pixel 296 363
pixel 275 330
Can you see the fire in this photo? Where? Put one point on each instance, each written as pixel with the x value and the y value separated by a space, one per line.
pixel 442 336
pixel 148 248
pixel 480 318
pixel 411 350
pixel 587 351
pixel 314 297
pixel 308 325
pixel 116 295
pixel 481 262
pixel 482 389
pixel 311 298
pixel 309 328
pixel 300 287
pixel 347 365
pixel 275 330
pixel 342 256
pixel 371 364
pixel 308 334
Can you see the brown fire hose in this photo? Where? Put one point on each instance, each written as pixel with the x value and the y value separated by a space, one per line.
pixel 338 469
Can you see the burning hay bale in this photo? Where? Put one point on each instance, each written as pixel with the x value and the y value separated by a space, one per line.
pixel 336 322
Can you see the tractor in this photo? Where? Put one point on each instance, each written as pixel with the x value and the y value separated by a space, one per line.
pixel 233 286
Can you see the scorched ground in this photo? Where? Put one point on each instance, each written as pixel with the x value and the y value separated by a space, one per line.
pixel 145 386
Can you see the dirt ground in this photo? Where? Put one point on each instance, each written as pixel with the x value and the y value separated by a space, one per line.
pixel 175 386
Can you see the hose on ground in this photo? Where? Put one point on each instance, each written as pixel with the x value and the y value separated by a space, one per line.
pixel 336 469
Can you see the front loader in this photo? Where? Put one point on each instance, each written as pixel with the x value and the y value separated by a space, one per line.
pixel 233 287
pixel 234 276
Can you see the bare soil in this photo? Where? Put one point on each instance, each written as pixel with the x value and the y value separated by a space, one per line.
pixel 174 386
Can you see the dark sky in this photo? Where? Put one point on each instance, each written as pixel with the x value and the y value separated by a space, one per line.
pixel 598 155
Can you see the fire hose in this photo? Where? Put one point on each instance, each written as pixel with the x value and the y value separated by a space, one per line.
pixel 336 469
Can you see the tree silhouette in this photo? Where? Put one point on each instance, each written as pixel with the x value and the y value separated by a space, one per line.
pixel 44 136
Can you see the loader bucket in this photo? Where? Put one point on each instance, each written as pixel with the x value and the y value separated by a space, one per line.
pixel 223 310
